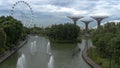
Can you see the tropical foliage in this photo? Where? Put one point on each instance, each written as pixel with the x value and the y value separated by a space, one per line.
pixel 11 31
pixel 107 41
pixel 63 32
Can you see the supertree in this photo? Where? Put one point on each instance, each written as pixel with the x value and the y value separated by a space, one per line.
pixel 99 19
pixel 86 22
pixel 75 18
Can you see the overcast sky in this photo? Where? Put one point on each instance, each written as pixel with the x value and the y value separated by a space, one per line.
pixel 47 12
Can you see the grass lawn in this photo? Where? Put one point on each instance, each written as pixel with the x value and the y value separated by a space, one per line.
pixel 104 62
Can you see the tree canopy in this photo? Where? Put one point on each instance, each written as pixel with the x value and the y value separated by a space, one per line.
pixel 64 32
pixel 107 40
pixel 11 30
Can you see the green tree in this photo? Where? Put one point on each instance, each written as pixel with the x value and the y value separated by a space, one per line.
pixel 2 40
pixel 107 41
pixel 115 48
pixel 64 32
pixel 13 31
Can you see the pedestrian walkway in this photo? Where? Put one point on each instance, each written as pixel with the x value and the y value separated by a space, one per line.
pixel 7 54
pixel 88 60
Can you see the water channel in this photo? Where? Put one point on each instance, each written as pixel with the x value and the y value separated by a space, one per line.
pixel 38 52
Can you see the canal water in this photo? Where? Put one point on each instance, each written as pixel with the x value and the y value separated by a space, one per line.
pixel 38 52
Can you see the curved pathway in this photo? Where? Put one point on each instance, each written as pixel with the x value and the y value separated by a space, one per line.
pixel 86 58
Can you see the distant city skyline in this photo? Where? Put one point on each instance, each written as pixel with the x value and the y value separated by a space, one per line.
pixel 48 12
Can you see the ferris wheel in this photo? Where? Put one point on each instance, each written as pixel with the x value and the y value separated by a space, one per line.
pixel 22 11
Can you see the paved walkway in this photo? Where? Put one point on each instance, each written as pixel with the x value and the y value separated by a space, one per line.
pixel 7 54
pixel 88 60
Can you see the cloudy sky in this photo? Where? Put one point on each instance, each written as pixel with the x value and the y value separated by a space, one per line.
pixel 48 12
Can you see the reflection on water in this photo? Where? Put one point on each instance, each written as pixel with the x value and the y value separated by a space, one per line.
pixel 64 56
pixel 43 56
pixel 21 63
pixel 51 62
pixel 48 48
pixel 33 48
pixel 35 45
